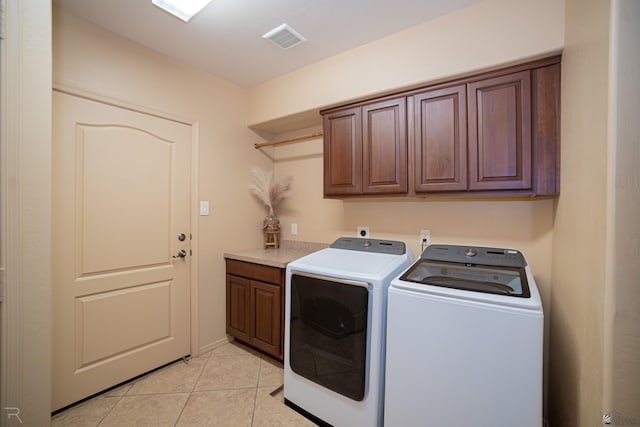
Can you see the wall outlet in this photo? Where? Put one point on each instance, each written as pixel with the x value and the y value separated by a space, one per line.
pixel 363 231
pixel 294 229
pixel 425 238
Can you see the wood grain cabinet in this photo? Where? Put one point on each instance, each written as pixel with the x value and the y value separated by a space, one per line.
pixel 255 305
pixel 384 147
pixel 494 134
pixel 440 140
pixel 343 152
pixel 500 156
pixel 365 149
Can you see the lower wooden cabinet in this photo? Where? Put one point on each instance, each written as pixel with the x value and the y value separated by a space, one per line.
pixel 238 307
pixel 255 305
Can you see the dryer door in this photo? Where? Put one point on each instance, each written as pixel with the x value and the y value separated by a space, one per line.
pixel 328 332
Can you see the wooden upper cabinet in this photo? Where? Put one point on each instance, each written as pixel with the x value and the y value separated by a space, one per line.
pixel 440 140
pixel 496 133
pixel 500 156
pixel 384 147
pixel 343 152
pixel 365 149
pixel 545 87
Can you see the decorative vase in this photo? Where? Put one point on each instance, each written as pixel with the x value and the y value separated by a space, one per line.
pixel 271 230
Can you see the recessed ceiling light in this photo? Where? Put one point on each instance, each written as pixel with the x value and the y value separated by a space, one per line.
pixel 183 9
pixel 284 36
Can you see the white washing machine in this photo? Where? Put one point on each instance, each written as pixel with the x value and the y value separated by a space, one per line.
pixel 335 311
pixel 464 341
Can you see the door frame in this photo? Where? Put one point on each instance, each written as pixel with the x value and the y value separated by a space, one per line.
pixel 193 199
pixel 25 212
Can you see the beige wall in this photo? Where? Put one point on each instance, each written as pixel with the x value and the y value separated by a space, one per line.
pixel 595 340
pixel 577 308
pixel 94 60
pixel 622 301
pixel 485 35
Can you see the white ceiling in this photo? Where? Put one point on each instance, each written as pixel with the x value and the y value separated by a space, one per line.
pixel 226 37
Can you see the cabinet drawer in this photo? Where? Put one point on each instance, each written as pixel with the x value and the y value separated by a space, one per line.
pixel 263 273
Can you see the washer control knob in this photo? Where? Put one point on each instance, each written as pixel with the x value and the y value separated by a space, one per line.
pixel 367 243
pixel 470 252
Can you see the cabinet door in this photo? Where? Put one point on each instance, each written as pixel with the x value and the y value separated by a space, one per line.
pixel 266 309
pixel 440 140
pixel 384 147
pixel 500 133
pixel 343 152
pixel 239 307
pixel 545 94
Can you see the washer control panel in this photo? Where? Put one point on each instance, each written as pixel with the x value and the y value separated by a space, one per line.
pixel 475 255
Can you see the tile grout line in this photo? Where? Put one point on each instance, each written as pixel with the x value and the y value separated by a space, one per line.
pixel 204 365
pixel 255 394
pixel 112 408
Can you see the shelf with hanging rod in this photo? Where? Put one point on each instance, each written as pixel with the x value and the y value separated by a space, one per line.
pixel 286 140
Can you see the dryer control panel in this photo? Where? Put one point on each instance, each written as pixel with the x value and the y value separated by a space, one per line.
pixel 391 247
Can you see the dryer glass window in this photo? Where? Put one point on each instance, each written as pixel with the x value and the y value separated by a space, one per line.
pixel 328 332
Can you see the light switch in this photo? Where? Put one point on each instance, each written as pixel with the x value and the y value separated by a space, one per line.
pixel 204 207
pixel 294 229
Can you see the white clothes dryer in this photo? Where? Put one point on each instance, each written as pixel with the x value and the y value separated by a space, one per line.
pixel 335 318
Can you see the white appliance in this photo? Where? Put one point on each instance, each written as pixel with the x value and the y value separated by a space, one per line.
pixel 464 341
pixel 335 310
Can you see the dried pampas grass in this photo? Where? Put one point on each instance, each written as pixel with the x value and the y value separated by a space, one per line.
pixel 269 192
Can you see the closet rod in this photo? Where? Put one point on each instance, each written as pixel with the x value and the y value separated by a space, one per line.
pixel 292 139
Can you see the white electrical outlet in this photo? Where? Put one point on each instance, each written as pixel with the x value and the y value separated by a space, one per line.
pixel 294 229
pixel 363 231
pixel 425 238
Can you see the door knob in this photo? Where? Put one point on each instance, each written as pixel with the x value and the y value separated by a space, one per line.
pixel 181 254
pixel 182 236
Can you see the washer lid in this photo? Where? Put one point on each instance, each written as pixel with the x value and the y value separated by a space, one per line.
pixel 508 281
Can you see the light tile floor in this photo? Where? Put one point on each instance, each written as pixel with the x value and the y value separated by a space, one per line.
pixel 229 386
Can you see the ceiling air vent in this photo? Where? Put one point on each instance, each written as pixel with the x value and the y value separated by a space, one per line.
pixel 284 36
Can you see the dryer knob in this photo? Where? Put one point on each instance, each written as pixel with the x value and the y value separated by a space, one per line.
pixel 471 252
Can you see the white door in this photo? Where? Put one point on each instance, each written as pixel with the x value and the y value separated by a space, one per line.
pixel 121 190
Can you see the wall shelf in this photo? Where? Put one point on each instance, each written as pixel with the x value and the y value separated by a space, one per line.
pixel 289 140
